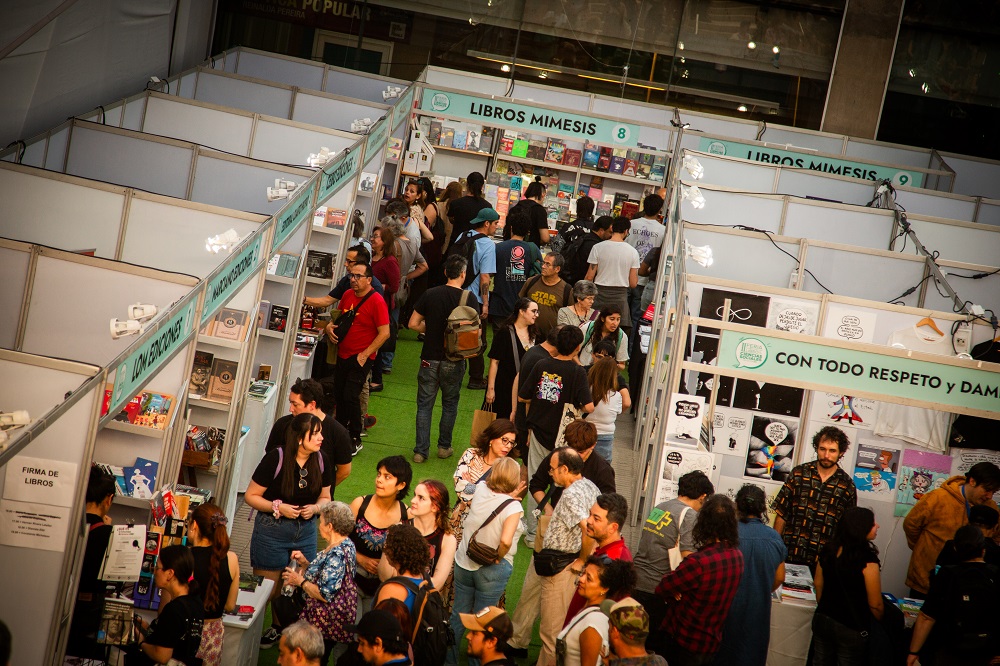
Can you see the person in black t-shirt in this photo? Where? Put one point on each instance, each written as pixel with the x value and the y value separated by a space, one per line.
pixel 464 209
pixel 176 633
pixel 430 315
pixel 306 397
pixel 531 204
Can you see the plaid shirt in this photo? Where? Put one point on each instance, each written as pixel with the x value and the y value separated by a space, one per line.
pixel 811 510
pixel 706 580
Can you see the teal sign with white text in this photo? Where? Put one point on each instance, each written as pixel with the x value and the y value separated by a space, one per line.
pixel 812 161
pixel 501 113
pixel 851 370
pixel 291 217
pixel 223 284
pixel 337 173
pixel 375 141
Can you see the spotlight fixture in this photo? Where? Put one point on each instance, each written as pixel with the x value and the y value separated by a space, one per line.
pixel 685 74
pixel 751 44
pixel 16 418
pixel 228 239
pixel 361 125
pixel 391 92
pixel 775 50
pixel 925 87
pixel 282 188
pixel 543 75
pixel 742 108
pixel 702 255
pixel 692 194
pixel 317 160
pixel 912 72
pixel 680 46
pixel 505 68
pixel 693 167
pixel 141 312
pixel 119 328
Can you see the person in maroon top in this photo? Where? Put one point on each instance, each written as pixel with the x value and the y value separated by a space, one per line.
pixel 385 267
pixel 356 347
pixel 701 589
pixel 604 526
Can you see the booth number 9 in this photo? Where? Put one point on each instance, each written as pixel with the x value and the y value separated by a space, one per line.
pixel 620 133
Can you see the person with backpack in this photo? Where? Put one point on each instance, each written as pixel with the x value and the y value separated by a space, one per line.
pixel 550 291
pixel 517 261
pixel 477 248
pixel 571 231
pixel 959 623
pixel 577 252
pixel 440 369
pixel 531 204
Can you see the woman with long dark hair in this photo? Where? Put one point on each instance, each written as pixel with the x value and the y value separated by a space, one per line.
pixel 217 570
pixel 175 634
pixel 607 326
pixel 585 635
pixel 516 336
pixel 531 203
pixel 286 490
pixel 848 591
pixel 451 193
pixel 385 267
pixel 464 209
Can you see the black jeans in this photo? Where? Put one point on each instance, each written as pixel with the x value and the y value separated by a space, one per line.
pixel 679 656
pixel 836 644
pixel 656 608
pixel 348 380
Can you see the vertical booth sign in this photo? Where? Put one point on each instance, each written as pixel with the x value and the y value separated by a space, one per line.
pixel 231 276
pixel 498 112
pixel 335 175
pixel 37 498
pixel 401 111
pixel 377 137
pixel 132 373
pixel 292 216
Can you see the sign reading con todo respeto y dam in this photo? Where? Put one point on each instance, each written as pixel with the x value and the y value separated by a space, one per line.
pixel 856 370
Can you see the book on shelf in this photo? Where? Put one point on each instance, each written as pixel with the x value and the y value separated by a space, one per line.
pixel 474 140
pixel 507 142
pixel 393 148
pixel 572 157
pixel 231 324
pixel 319 217
pixel 630 209
pixel 201 372
pixel 278 318
pixel 305 343
pixel 460 140
pixel 536 149
pixel 516 183
pixel 121 488
pixel 319 264
pixel 645 165
pixel 603 208
pixel 307 317
pixel 260 389
pixel 604 161
pixel 565 191
pixel 140 478
pixel 617 164
pixel 500 167
pixel 154 410
pixel 447 137
pixel 631 168
pixel 264 372
pixel 263 312
pixel 619 197
pixel 196 439
pixel 595 193
pixel 223 380
pixel 486 142
pixel 591 156
pixel 434 133
pixel 659 169
pixel 520 148
pixel 336 218
pixel 195 496
pixel 554 151
pixel 283 264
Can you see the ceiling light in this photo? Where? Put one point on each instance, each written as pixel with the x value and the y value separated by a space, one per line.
pixel 925 87
pixel 505 68
pixel 543 75
pixel 775 50
pixel 391 92
pixel 685 74
pixel 693 167
pixel 912 72
pixel 751 45
pixel 683 60
pixel 317 160
pixel 702 255
pixel 680 45
pixel 361 125
pixel 742 108
pixel 120 329
pixel 619 82
pixel 692 194
pixel 142 312
pixel 228 239
pixel 15 418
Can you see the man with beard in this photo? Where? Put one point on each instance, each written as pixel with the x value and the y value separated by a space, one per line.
pixel 815 496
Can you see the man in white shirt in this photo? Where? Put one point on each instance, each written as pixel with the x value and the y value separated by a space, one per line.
pixel 614 268
pixel 647 232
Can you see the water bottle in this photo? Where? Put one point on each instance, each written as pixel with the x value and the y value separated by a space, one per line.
pixel 288 589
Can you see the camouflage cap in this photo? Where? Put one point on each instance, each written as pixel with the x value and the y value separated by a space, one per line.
pixel 630 619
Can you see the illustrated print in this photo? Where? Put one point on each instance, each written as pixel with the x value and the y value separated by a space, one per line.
pixel 879 485
pixel 550 387
pixel 920 472
pixel 845 410
pixel 875 470
pixel 517 260
pixel 772 448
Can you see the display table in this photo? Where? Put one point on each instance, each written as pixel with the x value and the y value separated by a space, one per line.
pixel 241 644
pixel 791 632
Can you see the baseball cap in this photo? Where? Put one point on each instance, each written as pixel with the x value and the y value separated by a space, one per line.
pixel 485 215
pixel 491 620
pixel 630 619
pixel 378 624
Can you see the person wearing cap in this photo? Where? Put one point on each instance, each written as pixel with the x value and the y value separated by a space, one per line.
pixel 484 265
pixel 381 640
pixel 301 644
pixel 628 628
pixel 488 633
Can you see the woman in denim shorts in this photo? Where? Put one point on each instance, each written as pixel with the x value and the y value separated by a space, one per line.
pixel 286 489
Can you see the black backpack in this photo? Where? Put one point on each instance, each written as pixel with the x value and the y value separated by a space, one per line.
pixel 432 633
pixel 465 246
pixel 974 588
pixel 569 272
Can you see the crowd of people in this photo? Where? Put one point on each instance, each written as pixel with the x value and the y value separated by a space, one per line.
pixel 398 583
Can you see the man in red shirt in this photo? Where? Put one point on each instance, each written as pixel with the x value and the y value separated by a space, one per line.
pixel 604 525
pixel 700 590
pixel 361 329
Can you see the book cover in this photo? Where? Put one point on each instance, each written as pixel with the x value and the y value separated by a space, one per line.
pixel 434 134
pixel 520 148
pixel 196 439
pixel 460 139
pixel 474 140
pixel 619 197
pixel 231 324
pixel 287 265
pixel 604 161
pixel 154 410
pixel 619 152
pixel 631 168
pixel 140 479
pixel 591 156
pixel 319 264
pixel 645 165
pixel 617 164
pixel 598 182
pixel 223 380
pixel 393 148
pixel 263 314
pixel 319 217
pixel 572 157
pixel 272 264
pixel 447 136
pixel 565 191
pixel 264 372
pixel 116 626
pixel 486 143
pixel 603 208
pixel 536 149
pixel 336 218
pixel 630 209
pixel 279 315
pixel 201 370
pixel 595 193
pixel 307 317
pixel 507 143
pixel 121 488
pixel 554 151
pixel 516 183
pixel 659 169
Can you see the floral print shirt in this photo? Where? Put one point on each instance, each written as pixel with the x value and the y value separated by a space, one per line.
pixel 327 571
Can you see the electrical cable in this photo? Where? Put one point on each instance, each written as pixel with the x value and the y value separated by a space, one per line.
pixel 763 128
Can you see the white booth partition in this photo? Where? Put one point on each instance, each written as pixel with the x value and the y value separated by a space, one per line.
pixel 42 486
pixel 975 176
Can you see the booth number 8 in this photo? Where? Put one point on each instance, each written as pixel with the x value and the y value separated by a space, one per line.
pixel 620 133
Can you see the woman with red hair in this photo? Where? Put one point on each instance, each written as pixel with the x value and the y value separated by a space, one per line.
pixel 429 513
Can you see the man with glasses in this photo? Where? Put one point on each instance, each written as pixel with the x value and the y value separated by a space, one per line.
pixel 361 329
pixel 550 291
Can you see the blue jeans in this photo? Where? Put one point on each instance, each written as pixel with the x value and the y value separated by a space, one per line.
pixel 474 591
pixel 433 375
pixel 605 446
pixel 273 541
pixel 386 357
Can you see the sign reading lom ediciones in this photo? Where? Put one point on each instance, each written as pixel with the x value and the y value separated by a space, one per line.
pixel 501 113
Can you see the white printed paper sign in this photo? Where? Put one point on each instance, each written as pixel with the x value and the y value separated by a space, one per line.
pixel 731 431
pixel 677 462
pixel 793 316
pixel 962 460
pixel 27 525
pixel 846 323
pixel 40 481
pixel 684 417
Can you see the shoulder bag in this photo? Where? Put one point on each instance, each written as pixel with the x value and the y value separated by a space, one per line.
pixel 343 322
pixel 480 553
pixel 675 552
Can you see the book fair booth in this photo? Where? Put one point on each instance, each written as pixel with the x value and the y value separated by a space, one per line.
pixel 202 211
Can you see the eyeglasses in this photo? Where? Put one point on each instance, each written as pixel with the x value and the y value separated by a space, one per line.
pixel 303 473
pixel 355 276
pixel 508 441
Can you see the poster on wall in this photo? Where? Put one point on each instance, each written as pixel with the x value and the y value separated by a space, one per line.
pixel 844 322
pixel 677 462
pixel 920 472
pixel 729 486
pixel 793 316
pixel 772 448
pixel 876 468
pixel 847 409
pixel 748 309
pixel 765 397
pixel 731 432
pixel 684 416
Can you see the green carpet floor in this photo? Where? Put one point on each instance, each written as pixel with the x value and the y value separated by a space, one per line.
pixel 394 434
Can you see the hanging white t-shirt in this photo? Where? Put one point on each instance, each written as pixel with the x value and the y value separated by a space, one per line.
pixel 644 235
pixel 589 618
pixel 917 425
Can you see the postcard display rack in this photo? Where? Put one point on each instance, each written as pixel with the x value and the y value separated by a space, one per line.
pixel 768 371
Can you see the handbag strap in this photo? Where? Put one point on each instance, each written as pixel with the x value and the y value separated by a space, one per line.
pixel 496 512
pixel 680 524
pixel 548 496
pixel 579 616
pixel 513 344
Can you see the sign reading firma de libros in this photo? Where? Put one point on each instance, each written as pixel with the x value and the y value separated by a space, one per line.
pixel 501 113
pixel 855 370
